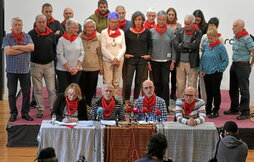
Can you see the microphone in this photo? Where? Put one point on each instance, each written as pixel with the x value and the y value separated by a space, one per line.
pixel 145 111
pixel 99 112
pixel 135 111
pixel 129 110
pixel 158 113
pixel 117 114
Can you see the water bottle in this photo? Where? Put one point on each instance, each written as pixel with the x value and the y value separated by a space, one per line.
pixel 53 119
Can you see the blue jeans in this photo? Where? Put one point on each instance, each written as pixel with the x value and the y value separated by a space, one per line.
pixel 25 84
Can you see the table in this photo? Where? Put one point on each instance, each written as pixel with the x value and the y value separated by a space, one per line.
pixel 189 143
pixel 70 143
pixel 127 142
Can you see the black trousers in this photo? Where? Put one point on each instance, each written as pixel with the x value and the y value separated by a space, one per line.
pixel 131 68
pixel 173 81
pixel 25 84
pixel 88 83
pixel 161 72
pixel 239 82
pixel 64 78
pixel 212 86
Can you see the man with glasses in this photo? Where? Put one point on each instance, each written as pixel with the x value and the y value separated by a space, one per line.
pixel 190 110
pixel 150 104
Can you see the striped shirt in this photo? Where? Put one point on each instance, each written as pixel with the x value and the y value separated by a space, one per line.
pixel 198 113
pixel 17 64
pixel 159 104
pixel 242 48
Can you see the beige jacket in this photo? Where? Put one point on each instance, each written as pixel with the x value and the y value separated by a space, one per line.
pixel 93 57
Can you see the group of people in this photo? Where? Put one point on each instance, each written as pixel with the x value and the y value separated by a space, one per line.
pixel 112 46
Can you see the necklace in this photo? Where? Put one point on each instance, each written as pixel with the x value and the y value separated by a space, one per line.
pixel 113 43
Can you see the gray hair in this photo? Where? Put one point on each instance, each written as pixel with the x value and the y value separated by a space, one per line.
pixel 190 18
pixel 69 23
pixel 119 6
pixel 162 13
pixel 136 14
pixel 241 22
pixel 107 85
pixel 87 21
pixel 40 16
pixel 16 19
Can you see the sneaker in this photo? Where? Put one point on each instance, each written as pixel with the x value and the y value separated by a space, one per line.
pixel 242 117
pixel 230 112
pixel 213 115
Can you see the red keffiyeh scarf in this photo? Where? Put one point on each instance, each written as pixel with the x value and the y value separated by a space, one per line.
pixel 149 103
pixel 147 25
pixel 70 38
pixel 91 36
pixel 160 31
pixel 242 34
pixel 47 32
pixel 219 34
pixel 215 44
pixel 108 108
pixel 122 24
pixel 138 30
pixel 18 38
pixel 98 13
pixel 115 34
pixel 72 106
pixel 192 31
pixel 63 22
pixel 188 108
pixel 51 20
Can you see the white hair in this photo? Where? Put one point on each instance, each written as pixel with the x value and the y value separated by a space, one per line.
pixel 151 9
pixel 87 21
pixel 70 22
pixel 241 22
pixel 190 18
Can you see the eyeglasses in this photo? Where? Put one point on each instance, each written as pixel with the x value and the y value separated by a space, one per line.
pixel 149 87
pixel 188 95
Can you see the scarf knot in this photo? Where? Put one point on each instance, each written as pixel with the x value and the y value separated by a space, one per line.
pixel 47 32
pixel 72 106
pixel 148 25
pixel 70 38
pixel 188 108
pixel 18 38
pixel 192 31
pixel 164 29
pixel 149 103
pixel 108 108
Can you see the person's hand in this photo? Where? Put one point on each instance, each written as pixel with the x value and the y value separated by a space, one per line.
pixel 172 66
pixel 101 72
pixel 57 32
pixel 149 66
pixel 116 62
pixel 191 122
pixel 202 73
pixel 146 57
pixel 70 120
pixel 128 56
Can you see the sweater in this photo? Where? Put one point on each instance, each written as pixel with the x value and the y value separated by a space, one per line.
pixel 93 57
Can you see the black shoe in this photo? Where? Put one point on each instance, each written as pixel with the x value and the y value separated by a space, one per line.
pixel 27 117
pixel 243 117
pixel 33 104
pixel 13 118
pixel 173 97
pixel 213 115
pixel 230 112
pixel 39 115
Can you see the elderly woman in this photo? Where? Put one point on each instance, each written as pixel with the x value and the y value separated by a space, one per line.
pixel 111 108
pixel 174 25
pixel 92 63
pixel 213 63
pixel 163 56
pixel 138 51
pixel 70 106
pixel 70 55
pixel 113 49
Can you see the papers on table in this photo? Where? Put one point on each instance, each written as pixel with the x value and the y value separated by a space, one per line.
pixel 144 122
pixel 88 123
pixel 63 123
pixel 108 122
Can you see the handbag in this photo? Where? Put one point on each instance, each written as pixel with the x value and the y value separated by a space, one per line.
pixel 214 159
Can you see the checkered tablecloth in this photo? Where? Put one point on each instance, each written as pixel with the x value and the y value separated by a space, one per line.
pixel 189 143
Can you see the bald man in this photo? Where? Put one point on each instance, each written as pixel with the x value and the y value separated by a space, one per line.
pixel 190 110
pixel 243 48
pixel 67 14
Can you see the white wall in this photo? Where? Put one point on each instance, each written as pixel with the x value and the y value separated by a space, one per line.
pixel 226 10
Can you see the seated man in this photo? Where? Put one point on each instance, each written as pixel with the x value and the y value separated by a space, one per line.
pixel 111 107
pixel 231 147
pixel 190 110
pixel 151 102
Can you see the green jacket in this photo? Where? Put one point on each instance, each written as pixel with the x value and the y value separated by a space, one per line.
pixel 101 21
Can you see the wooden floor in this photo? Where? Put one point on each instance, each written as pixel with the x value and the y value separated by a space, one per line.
pixel 28 154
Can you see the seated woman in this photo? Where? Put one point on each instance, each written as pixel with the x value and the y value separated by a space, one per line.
pixel 111 108
pixel 70 106
pixel 156 149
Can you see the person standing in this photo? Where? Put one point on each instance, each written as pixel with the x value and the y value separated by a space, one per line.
pixel 42 63
pixel 163 56
pixel 186 44
pixel 67 14
pixel 18 47
pixel 150 15
pixel 243 48
pixel 213 63
pixel 122 22
pixel 100 17
pixel 113 49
